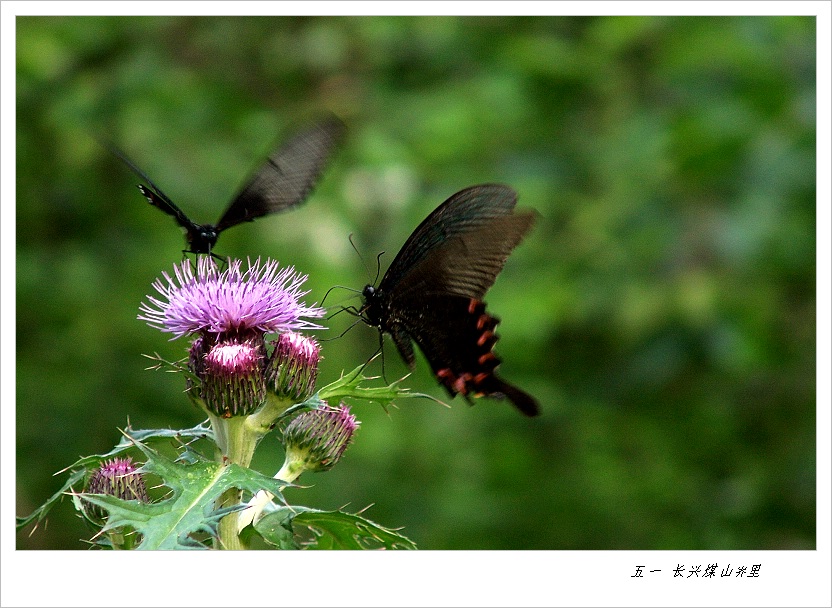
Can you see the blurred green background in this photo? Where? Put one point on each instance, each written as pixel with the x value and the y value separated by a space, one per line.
pixel 662 310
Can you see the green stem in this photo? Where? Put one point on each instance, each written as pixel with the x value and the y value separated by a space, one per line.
pixel 263 419
pixel 237 437
pixel 288 473
pixel 236 441
pixel 228 537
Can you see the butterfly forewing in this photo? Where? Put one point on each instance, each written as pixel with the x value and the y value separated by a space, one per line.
pixel 156 198
pixel 467 264
pixel 288 176
pixel 151 191
pixel 463 212
pixel 284 181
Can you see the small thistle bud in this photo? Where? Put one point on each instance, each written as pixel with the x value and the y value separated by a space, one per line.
pixel 117 477
pixel 231 374
pixel 316 440
pixel 293 367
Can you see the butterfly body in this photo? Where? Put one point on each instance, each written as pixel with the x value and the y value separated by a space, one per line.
pixel 432 293
pixel 282 182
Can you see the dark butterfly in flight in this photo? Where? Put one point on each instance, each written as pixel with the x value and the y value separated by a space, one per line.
pixel 432 292
pixel 284 181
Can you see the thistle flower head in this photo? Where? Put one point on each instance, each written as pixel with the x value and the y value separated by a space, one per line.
pixel 261 299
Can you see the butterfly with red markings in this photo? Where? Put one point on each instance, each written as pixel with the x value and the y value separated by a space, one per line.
pixel 432 293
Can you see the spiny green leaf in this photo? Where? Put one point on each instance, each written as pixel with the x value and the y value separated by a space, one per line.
pixel 276 528
pixel 201 431
pixel 330 530
pixel 349 386
pixel 191 507
pixel 82 467
pixel 76 477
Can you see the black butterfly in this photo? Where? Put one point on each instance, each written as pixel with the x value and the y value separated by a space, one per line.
pixel 284 181
pixel 432 292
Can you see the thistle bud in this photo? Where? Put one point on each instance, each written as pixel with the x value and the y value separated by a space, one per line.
pixel 293 367
pixel 117 477
pixel 316 440
pixel 230 371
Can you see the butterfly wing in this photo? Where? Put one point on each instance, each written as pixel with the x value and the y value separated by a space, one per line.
pixel 457 336
pixel 154 194
pixel 157 198
pixel 466 264
pixel 466 211
pixel 288 176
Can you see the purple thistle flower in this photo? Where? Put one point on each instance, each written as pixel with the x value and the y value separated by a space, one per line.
pixel 262 299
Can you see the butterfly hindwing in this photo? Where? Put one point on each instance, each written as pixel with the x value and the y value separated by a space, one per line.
pixel 457 336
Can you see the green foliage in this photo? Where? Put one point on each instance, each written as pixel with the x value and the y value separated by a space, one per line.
pixel 188 516
pixel 662 311
pixel 195 489
pixel 349 386
pixel 80 470
pixel 39 514
pixel 329 530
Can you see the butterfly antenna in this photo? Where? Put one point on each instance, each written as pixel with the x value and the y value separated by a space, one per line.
pixel 378 267
pixel 366 268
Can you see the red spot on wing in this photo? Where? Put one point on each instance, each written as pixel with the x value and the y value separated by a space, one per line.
pixel 460 385
pixel 488 359
pixel 486 338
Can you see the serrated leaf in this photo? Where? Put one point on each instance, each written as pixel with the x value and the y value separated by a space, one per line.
pixel 201 431
pixel 76 477
pixel 349 385
pixel 276 528
pixel 81 467
pixel 190 509
pixel 330 530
